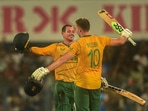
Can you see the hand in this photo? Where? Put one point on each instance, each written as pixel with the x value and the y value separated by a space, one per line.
pixel 39 73
pixel 126 33
pixel 104 82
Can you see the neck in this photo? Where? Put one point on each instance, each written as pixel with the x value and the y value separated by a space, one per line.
pixel 84 34
pixel 68 43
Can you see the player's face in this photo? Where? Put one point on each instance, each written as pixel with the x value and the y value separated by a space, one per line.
pixel 69 33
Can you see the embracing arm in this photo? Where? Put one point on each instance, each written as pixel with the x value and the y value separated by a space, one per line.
pixel 44 51
pixel 60 61
pixel 39 73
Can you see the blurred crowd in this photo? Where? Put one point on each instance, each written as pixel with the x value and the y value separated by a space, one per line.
pixel 125 67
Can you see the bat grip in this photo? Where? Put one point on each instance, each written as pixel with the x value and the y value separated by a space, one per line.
pixel 132 41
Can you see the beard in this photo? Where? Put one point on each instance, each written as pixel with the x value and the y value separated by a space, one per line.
pixel 70 38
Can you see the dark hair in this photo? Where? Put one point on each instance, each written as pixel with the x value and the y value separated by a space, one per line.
pixel 83 23
pixel 64 27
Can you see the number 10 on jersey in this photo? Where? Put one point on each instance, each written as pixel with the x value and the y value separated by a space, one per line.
pixel 94 56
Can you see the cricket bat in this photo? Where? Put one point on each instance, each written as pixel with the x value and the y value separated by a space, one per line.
pixel 127 94
pixel 113 23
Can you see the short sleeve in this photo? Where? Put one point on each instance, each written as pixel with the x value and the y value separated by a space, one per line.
pixel 75 48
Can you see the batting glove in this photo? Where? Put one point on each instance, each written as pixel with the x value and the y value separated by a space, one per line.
pixel 126 33
pixel 39 73
pixel 104 82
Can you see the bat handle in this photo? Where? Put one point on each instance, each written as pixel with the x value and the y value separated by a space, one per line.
pixel 132 41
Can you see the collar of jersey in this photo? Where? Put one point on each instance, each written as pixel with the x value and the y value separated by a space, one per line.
pixel 86 35
pixel 65 44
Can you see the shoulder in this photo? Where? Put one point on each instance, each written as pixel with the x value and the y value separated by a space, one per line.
pixel 103 37
pixel 104 40
pixel 57 44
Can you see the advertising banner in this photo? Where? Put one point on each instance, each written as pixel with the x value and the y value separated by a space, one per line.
pixel 44 19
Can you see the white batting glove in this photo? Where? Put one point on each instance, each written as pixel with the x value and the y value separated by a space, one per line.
pixel 104 82
pixel 126 33
pixel 39 73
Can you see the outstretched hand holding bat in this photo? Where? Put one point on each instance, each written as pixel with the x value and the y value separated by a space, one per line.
pixel 114 24
pixel 122 92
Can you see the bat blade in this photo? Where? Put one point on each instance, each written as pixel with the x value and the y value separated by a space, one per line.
pixel 113 23
pixel 127 94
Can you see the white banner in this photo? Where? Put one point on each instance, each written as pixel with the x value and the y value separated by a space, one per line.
pixel 43 20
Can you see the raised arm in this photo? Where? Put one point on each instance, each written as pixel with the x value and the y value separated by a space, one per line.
pixel 126 33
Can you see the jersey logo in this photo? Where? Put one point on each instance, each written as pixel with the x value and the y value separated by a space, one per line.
pixel 62 49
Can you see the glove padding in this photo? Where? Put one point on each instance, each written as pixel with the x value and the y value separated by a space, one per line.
pixel 20 42
pixel 104 82
pixel 33 87
pixel 126 33
pixel 39 73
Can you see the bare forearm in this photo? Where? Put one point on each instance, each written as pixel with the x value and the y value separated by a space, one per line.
pixel 60 61
pixel 56 64
pixel 39 73
pixel 126 33
pixel 118 41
